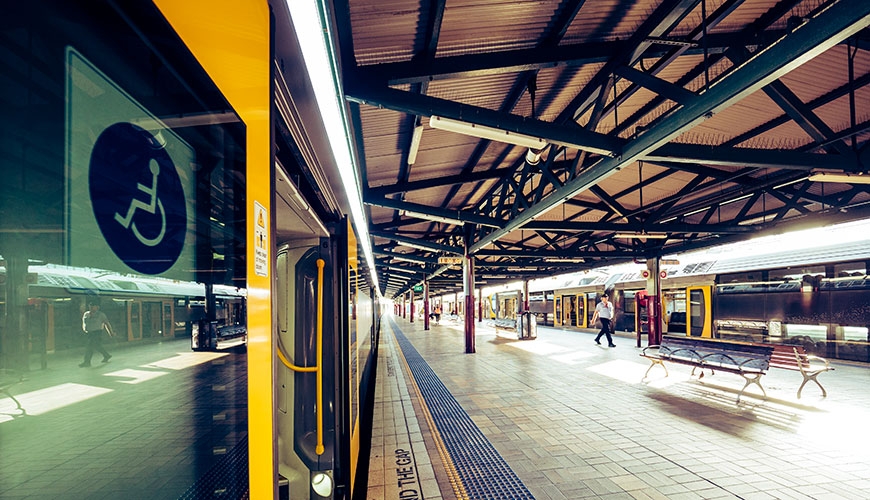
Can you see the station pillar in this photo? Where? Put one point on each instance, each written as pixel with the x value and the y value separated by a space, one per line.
pixel 425 304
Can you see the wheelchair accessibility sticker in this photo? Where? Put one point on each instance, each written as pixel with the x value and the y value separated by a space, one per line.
pixel 130 181
pixel 137 198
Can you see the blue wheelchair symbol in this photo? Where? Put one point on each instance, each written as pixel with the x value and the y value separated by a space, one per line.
pixel 137 198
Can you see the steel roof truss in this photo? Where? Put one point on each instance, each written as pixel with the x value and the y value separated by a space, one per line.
pixel 816 35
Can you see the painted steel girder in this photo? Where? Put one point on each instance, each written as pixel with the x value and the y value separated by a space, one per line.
pixel 830 27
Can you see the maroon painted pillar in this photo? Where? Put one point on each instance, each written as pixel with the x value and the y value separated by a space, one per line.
pixel 480 304
pixel 525 296
pixel 412 306
pixel 468 286
pixel 425 305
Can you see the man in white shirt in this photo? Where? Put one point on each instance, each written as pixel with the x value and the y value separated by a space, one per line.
pixel 604 312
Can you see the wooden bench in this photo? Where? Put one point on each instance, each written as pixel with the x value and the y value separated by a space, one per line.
pixel 747 360
pixel 795 357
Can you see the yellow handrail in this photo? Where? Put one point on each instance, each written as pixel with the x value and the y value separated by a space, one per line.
pixel 319 448
pixel 318 369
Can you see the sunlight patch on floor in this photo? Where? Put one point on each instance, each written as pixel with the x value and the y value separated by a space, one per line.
pixel 48 399
pixel 539 347
pixel 625 371
pixel 186 360
pixel 137 376
pixel 572 358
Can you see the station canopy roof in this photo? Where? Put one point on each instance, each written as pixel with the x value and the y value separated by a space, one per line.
pixel 550 136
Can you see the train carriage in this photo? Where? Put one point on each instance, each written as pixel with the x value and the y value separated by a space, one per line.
pixel 815 296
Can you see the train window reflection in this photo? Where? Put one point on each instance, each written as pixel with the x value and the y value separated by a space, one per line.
pixel 854 333
pixel 812 331
pixel 122 223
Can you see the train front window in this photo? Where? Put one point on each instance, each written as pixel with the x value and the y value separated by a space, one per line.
pixel 122 231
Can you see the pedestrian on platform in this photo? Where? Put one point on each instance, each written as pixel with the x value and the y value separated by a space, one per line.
pixel 94 321
pixel 604 312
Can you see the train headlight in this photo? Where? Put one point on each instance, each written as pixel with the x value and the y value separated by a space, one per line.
pixel 321 483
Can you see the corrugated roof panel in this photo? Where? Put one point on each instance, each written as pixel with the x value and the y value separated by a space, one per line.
pixel 471 26
pixel 557 87
pixel 747 13
pixel 608 20
pixel 743 116
pixel 484 91
pixel 385 30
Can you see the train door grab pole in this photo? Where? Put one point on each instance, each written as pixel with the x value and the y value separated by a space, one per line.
pixel 318 369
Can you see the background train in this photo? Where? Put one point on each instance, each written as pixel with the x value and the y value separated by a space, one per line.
pixel 818 297
pixel 140 309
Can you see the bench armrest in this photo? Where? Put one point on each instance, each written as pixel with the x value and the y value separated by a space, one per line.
pixel 810 359
pixel 656 347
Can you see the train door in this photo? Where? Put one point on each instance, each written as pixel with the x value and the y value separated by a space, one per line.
pixel 557 311
pixel 134 313
pixel 569 305
pixel 152 319
pixel 305 407
pixel 699 317
pixel 581 311
pixel 591 301
pixel 674 309
pixel 629 310
pixel 168 319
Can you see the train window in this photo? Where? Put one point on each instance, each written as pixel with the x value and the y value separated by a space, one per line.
pixel 122 209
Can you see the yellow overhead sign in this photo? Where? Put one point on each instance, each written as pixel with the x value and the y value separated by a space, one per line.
pixel 450 260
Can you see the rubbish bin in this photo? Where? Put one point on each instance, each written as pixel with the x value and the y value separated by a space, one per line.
pixel 527 326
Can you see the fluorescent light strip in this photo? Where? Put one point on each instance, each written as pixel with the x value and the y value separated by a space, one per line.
pixel 840 177
pixel 319 55
pixel 417 246
pixel 431 217
pixel 652 236
pixel 415 144
pixel 484 132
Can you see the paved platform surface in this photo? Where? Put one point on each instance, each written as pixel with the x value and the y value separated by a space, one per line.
pixel 575 420
pixel 157 421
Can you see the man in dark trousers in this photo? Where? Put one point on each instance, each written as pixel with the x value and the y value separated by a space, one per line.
pixel 94 322
pixel 604 312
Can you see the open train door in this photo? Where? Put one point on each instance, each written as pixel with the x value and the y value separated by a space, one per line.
pixel 699 320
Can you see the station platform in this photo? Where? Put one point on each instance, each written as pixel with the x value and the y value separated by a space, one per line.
pixel 158 419
pixel 559 417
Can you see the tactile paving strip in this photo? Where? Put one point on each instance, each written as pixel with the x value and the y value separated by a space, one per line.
pixel 484 473
pixel 228 478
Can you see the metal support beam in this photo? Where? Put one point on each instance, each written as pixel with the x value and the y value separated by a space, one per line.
pixel 828 28
pixel 406 102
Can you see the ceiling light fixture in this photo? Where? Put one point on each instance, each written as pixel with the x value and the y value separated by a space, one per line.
pixel 573 260
pixel 642 236
pixel 415 144
pixel 319 55
pixel 417 246
pixel 484 132
pixel 431 217
pixel 411 259
pixel 847 178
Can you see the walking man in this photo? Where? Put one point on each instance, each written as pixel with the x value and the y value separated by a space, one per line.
pixel 94 322
pixel 604 312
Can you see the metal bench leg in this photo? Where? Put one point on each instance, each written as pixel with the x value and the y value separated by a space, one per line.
pixel 750 379
pixel 807 378
pixel 655 362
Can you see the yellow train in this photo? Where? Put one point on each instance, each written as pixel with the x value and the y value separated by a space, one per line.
pixel 169 157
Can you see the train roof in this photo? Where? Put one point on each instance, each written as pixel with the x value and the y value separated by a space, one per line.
pixel 80 280
pixel 726 261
